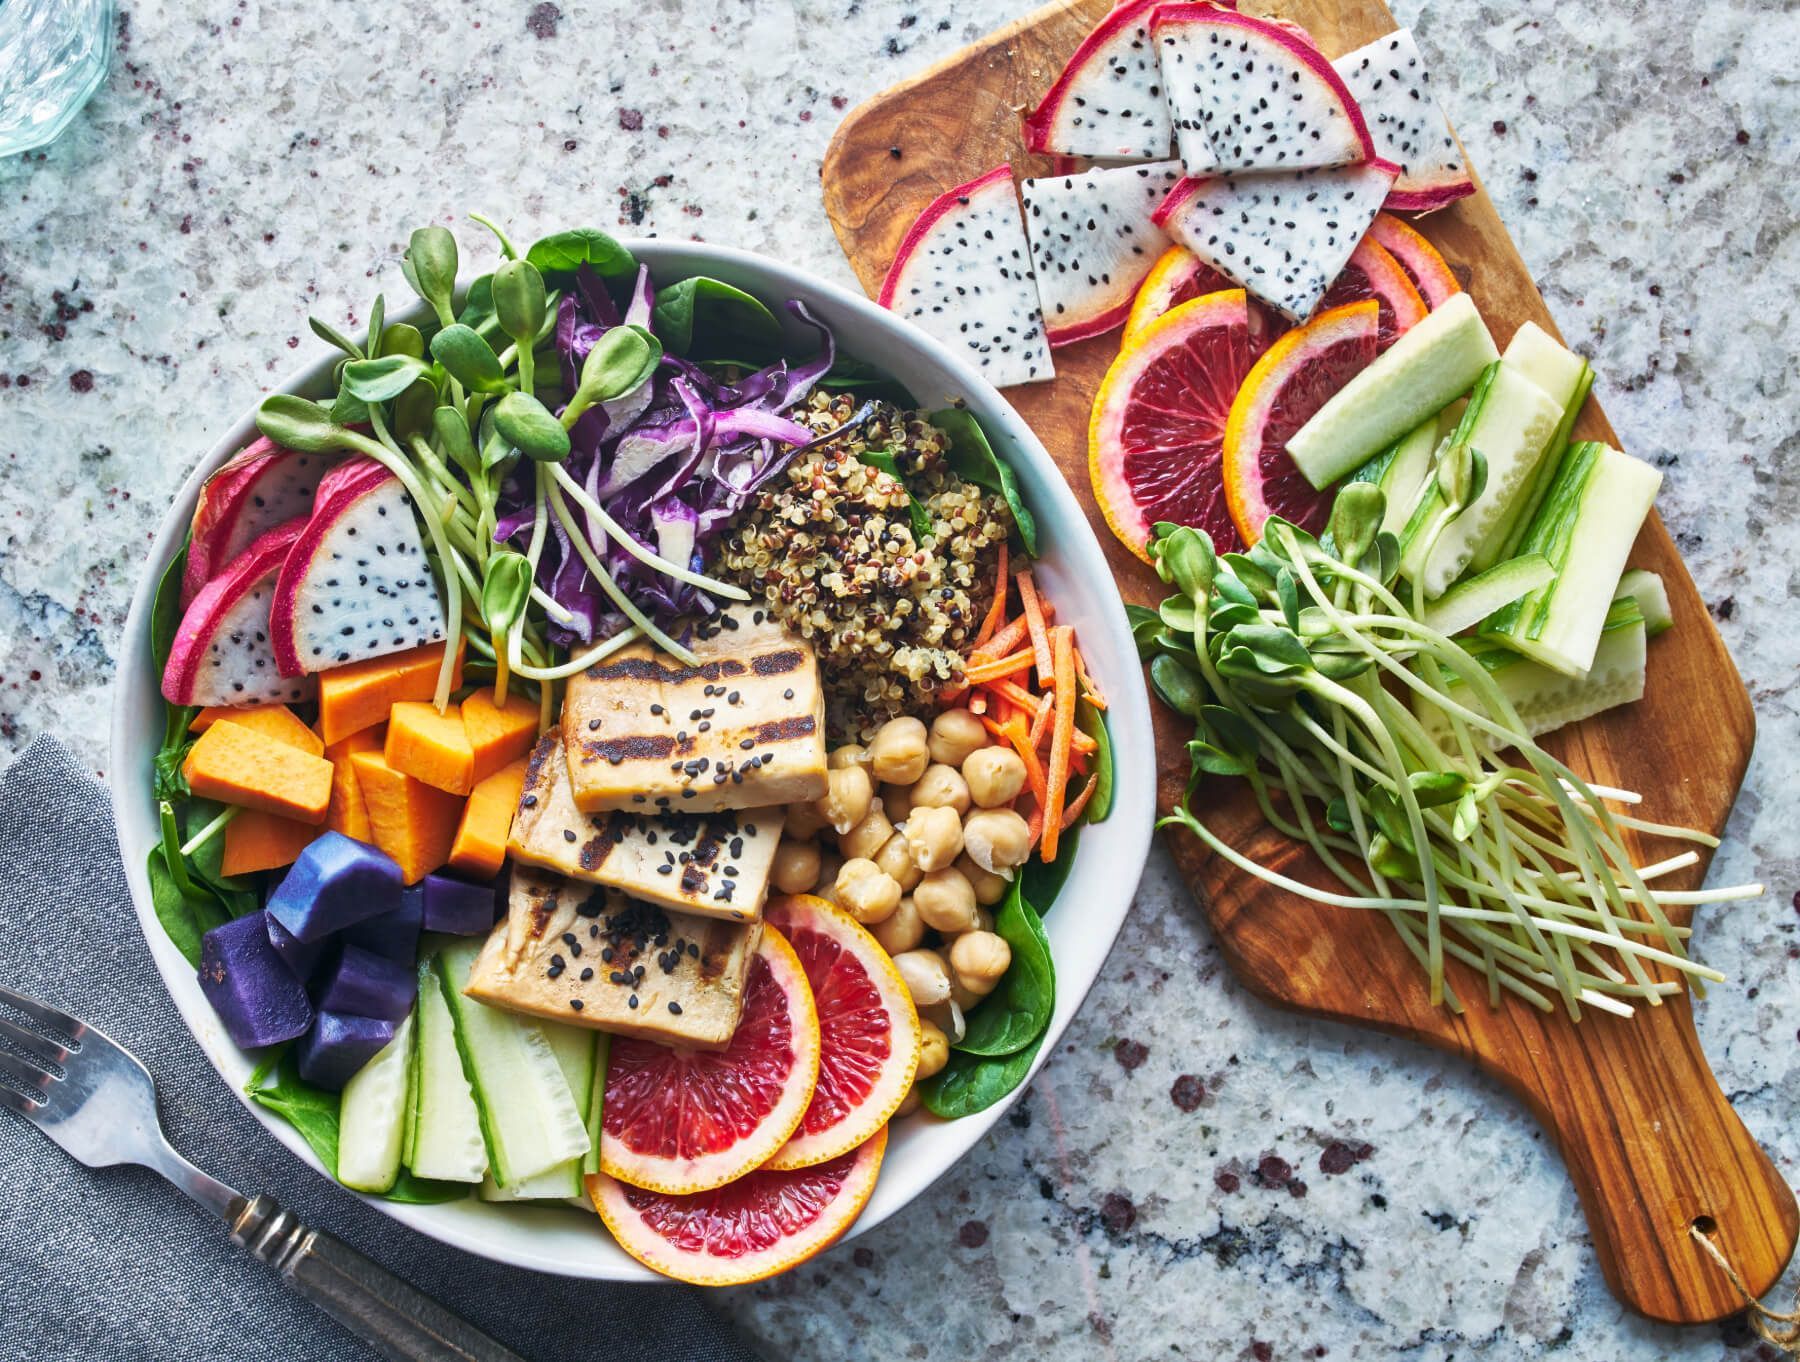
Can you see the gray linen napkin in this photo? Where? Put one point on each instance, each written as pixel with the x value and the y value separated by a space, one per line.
pixel 117 1264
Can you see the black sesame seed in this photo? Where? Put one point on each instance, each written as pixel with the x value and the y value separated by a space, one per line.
pixel 587 974
pixel 631 1002
pixel 674 1009
pixel 575 1003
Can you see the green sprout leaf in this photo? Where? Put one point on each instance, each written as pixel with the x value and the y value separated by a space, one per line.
pixel 527 425
pixel 469 359
pixel 384 379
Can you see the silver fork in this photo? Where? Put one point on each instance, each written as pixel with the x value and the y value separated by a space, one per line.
pixel 91 1096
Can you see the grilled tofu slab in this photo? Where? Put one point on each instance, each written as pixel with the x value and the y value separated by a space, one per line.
pixel 714 864
pixel 588 956
pixel 744 728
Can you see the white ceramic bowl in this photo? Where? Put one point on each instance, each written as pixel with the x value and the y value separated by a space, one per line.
pixel 1087 914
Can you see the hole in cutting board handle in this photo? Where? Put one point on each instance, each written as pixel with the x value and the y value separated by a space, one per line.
pixel 1705 1224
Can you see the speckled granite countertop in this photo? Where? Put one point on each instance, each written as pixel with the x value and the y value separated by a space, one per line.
pixel 1193 1175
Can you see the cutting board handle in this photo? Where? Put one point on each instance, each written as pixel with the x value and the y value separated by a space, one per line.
pixel 1654 1147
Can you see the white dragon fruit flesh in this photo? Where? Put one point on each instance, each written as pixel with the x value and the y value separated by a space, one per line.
pixel 1247 94
pixel 1092 243
pixel 1108 102
pixel 259 488
pixel 1283 237
pixel 1390 82
pixel 356 583
pixel 963 275
pixel 222 653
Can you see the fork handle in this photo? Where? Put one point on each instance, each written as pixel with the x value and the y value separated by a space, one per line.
pixel 401 1321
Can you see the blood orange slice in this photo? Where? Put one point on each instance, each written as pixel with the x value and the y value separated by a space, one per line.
pixel 868 1029
pixel 764 1223
pixel 1372 273
pixel 1417 256
pixel 1159 419
pixel 679 1120
pixel 1292 381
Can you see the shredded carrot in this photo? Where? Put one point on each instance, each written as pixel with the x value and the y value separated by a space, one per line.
pixel 1094 697
pixel 1040 722
pixel 1034 827
pixel 1005 639
pixel 1000 667
pixel 1083 745
pixel 1057 780
pixel 1034 621
pixel 997 611
pixel 1077 804
pixel 1014 732
pixel 1013 691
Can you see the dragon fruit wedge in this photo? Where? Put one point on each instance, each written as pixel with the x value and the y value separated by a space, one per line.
pixel 1389 79
pixel 1284 237
pixel 963 275
pixel 1092 243
pixel 258 488
pixel 356 583
pixel 1248 94
pixel 1108 102
pixel 222 654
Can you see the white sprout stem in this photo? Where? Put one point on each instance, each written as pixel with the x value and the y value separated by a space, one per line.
pixel 598 653
pixel 630 544
pixel 579 537
pixel 211 830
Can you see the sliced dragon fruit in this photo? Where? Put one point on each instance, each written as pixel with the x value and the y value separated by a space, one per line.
pixel 1248 94
pixel 1389 79
pixel 1108 102
pixel 260 487
pixel 1092 243
pixel 222 654
pixel 963 275
pixel 1284 237
pixel 356 583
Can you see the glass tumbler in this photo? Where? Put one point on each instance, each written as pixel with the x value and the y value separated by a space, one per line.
pixel 53 56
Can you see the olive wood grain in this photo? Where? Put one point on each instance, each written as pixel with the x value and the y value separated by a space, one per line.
pixel 1648 1137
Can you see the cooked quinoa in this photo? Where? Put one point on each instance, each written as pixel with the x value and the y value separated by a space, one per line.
pixel 829 548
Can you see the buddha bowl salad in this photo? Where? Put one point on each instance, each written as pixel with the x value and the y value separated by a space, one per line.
pixel 613 760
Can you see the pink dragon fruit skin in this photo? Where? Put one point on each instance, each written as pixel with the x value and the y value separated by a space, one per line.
pixel 356 583
pixel 260 487
pixel 1389 79
pixel 222 653
pixel 1108 101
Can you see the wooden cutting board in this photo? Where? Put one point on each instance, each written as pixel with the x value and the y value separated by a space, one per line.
pixel 1649 1138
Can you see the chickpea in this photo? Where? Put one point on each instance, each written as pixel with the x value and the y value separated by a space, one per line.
pixel 848 795
pixel 829 865
pixel 866 838
pixel 954 734
pixel 843 758
pixel 934 836
pixel 804 822
pixel 945 901
pixel 995 776
pixel 909 1104
pixel 978 959
pixel 989 887
pixel 897 755
pixel 997 840
pixel 897 800
pixel 960 995
pixel 941 787
pixel 926 976
pixel 934 1049
pixel 866 892
pixel 948 1017
pixel 901 931
pixel 795 869
pixel 984 921
pixel 896 859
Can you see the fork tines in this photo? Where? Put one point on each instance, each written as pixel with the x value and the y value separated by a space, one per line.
pixel 31 1060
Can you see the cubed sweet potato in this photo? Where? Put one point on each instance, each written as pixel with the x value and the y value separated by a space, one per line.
pixel 359 695
pixel 348 814
pixel 238 765
pixel 480 846
pixel 255 841
pixel 276 721
pixel 431 747
pixel 499 734
pixel 411 821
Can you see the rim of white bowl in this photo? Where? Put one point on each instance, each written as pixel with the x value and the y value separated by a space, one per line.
pixel 541 1239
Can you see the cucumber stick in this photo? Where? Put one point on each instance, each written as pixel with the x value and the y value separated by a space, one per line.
pixel 1510 420
pixel 1566 377
pixel 1652 598
pixel 443 1127
pixel 528 1115
pixel 1590 517
pixel 1473 599
pixel 574 1049
pixel 1427 369
pixel 372 1116
pixel 590 1161
pixel 1400 470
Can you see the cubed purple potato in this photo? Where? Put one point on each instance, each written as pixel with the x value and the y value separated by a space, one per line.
pixel 396 934
pixel 302 956
pixel 335 883
pixel 459 908
pixel 256 994
pixel 364 984
pixel 338 1046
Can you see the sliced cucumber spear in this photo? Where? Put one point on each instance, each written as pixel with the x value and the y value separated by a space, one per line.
pixel 372 1117
pixel 1427 369
pixel 1647 589
pixel 1400 471
pixel 443 1128
pixel 574 1047
pixel 1566 377
pixel 1473 599
pixel 1590 517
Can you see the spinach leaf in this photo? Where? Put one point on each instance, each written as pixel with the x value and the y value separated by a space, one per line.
pixel 1016 1013
pixel 563 252
pixel 165 608
pixel 184 919
pixel 921 518
pixel 1093 723
pixel 478 306
pixel 167 780
pixel 237 896
pixel 973 460
pixel 972 1083
pixel 1043 883
pixel 853 375
pixel 715 312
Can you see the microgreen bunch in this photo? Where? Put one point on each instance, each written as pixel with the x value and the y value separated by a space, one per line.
pixel 1309 678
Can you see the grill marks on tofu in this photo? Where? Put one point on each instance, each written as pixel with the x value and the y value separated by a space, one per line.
pixel 716 864
pixel 635 968
pixel 741 728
